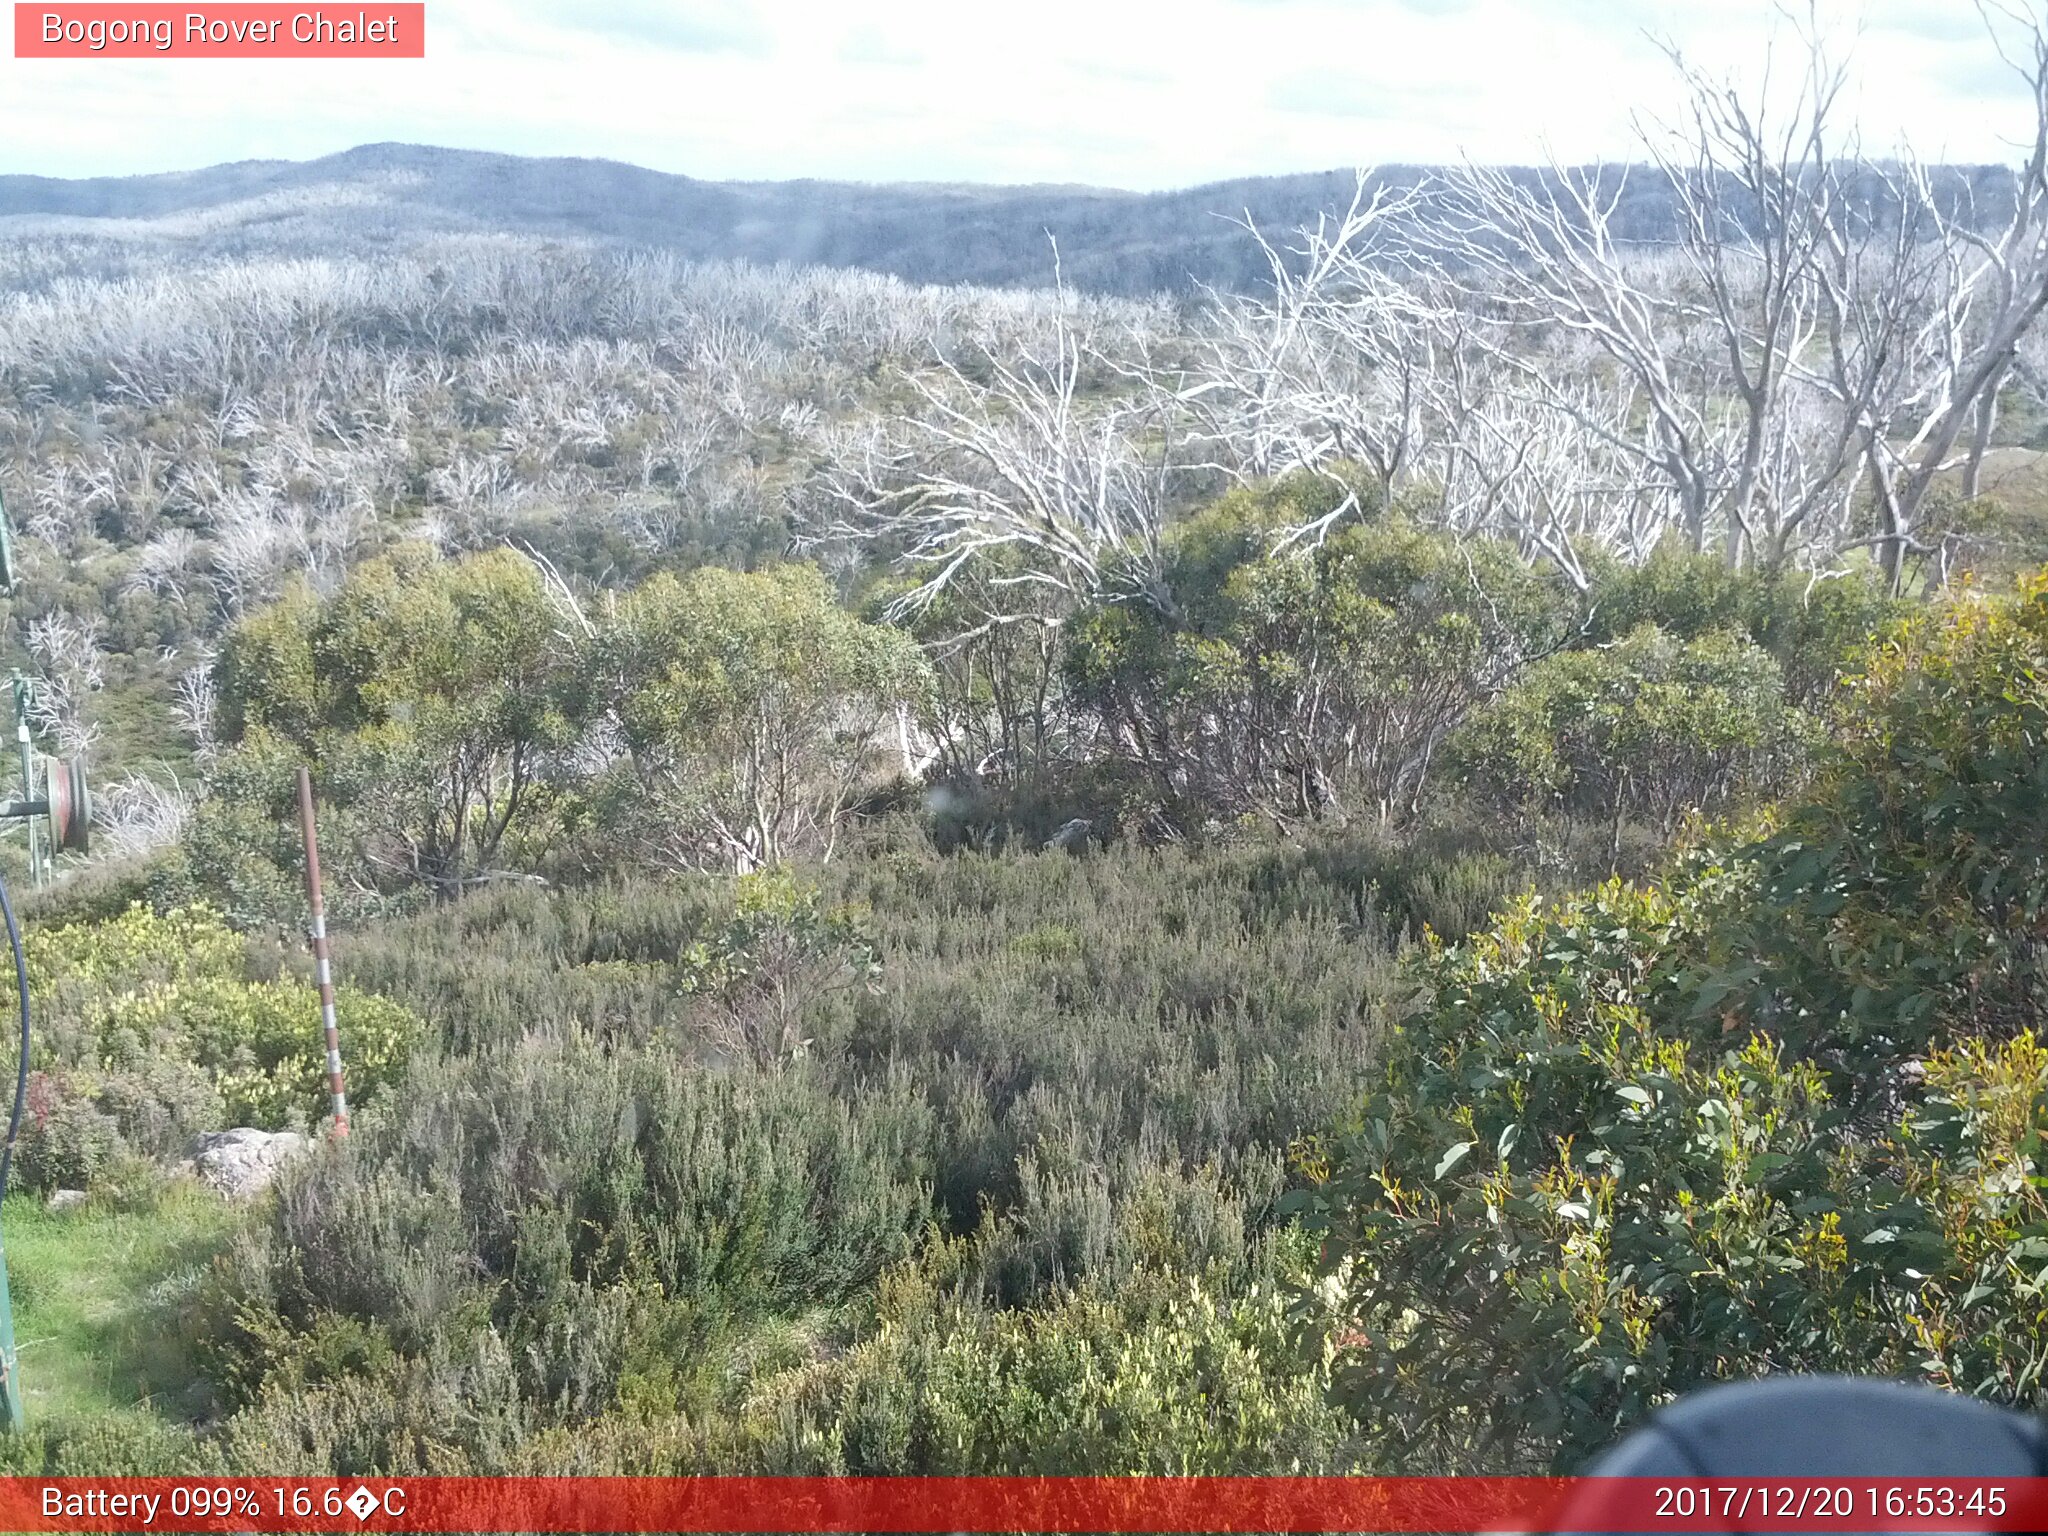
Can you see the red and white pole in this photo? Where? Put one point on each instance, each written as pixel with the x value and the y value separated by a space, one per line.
pixel 322 970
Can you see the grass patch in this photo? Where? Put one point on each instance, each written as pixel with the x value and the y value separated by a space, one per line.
pixel 94 1289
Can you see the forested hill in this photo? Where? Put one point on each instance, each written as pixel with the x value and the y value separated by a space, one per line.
pixel 382 194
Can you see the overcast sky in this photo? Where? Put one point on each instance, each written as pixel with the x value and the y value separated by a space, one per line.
pixel 1130 93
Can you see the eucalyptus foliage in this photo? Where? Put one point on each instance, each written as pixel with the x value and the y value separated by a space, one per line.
pixel 1785 1112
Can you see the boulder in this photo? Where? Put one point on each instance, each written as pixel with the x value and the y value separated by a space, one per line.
pixel 66 1199
pixel 1073 837
pixel 242 1162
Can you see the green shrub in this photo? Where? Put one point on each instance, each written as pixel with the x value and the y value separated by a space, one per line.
pixel 99 893
pixel 431 696
pixel 150 1020
pixel 1216 1005
pixel 65 1139
pixel 751 705
pixel 1212 1005
pixel 599 957
pixel 456 1414
pixel 1815 629
pixel 1552 1217
pixel 783 950
pixel 551 1178
pixel 1787 1114
pixel 1159 1374
pixel 1647 728
pixel 1309 683
pixel 134 1443
pixel 1164 1370
pixel 1904 900
pixel 1060 1116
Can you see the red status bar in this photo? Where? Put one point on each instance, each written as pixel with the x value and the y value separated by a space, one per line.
pixel 1023 1504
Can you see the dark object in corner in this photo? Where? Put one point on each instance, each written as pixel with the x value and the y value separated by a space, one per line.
pixel 1820 1426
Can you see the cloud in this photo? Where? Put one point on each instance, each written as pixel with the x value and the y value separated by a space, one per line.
pixel 1119 71
pixel 1955 22
pixel 1353 94
pixel 1980 78
pixel 869 44
pixel 1426 8
pixel 873 46
pixel 1054 91
pixel 686 26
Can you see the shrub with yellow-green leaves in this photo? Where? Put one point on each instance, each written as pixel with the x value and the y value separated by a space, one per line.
pixel 1165 1371
pixel 1785 1113
pixel 1904 900
pixel 136 947
pixel 150 1030
pixel 259 1041
pixel 1554 1216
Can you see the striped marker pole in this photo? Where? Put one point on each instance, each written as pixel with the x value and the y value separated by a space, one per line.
pixel 321 968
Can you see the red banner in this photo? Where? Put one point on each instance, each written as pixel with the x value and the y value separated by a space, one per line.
pixel 1024 1504
pixel 228 31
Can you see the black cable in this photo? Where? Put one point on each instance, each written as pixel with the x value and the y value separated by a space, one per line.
pixel 21 1073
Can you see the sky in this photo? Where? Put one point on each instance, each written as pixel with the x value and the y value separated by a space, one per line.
pixel 1142 94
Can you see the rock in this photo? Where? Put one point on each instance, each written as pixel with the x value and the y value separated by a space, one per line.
pixel 242 1162
pixel 1073 837
pixel 66 1199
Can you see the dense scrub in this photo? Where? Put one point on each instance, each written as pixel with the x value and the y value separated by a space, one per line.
pixel 1782 1111
pixel 151 1028
pixel 1020 1175
pixel 911 1146
pixel 1282 1147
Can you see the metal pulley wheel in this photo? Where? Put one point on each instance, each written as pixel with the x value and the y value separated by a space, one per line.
pixel 70 804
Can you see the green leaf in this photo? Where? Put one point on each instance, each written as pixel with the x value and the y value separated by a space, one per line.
pixel 1452 1158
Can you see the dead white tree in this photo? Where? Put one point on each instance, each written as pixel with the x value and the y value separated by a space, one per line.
pixel 168 564
pixel 137 815
pixel 1822 336
pixel 196 705
pixel 1544 475
pixel 1329 365
pixel 1759 189
pixel 1544 273
pixel 70 666
pixel 1926 320
pixel 1016 469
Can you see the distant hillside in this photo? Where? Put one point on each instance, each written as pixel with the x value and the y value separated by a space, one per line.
pixel 380 194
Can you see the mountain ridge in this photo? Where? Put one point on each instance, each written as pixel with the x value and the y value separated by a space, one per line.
pixel 387 194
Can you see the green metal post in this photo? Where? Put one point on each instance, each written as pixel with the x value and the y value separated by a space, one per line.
pixel 28 777
pixel 10 1362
